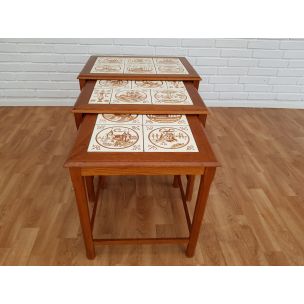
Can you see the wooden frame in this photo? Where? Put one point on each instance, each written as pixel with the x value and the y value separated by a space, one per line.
pixel 86 74
pixel 83 165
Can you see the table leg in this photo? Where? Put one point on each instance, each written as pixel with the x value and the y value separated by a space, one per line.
pixel 203 118
pixel 190 186
pixel 175 181
pixel 200 206
pixel 83 210
pixel 82 83
pixel 78 119
pixel 90 188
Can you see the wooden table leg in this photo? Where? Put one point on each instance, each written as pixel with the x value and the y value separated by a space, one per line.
pixel 190 186
pixel 203 119
pixel 90 188
pixel 83 210
pixel 175 181
pixel 200 206
pixel 78 119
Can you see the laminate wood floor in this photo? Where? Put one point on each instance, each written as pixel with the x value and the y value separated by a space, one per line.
pixel 254 216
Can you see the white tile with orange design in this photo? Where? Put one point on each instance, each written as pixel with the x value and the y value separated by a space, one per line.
pixel 131 96
pixel 123 119
pixel 171 97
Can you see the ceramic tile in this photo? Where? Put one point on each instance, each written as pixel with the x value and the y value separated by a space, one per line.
pixel 108 68
pixel 170 69
pixel 169 139
pixel 139 60
pixel 147 84
pixel 139 69
pixel 175 85
pixel 116 138
pixel 165 119
pixel 112 84
pixel 102 96
pixel 167 61
pixel 121 119
pixel 171 97
pixel 131 96
pixel 110 60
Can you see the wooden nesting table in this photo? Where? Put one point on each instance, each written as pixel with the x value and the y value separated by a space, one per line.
pixel 82 163
pixel 125 86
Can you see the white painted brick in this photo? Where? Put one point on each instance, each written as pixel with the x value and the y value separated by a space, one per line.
pixel 140 50
pixel 292 45
pixel 206 70
pixel 257 88
pixel 206 87
pixel 104 49
pixel 210 52
pixel 242 62
pixel 209 95
pixel 254 79
pixel 294 54
pixel 283 80
pixel 233 70
pixel 233 95
pixel 273 63
pixel 300 81
pixel 223 79
pixel 228 87
pixel 131 41
pixel 211 61
pixel 71 49
pixel 76 58
pixel 262 72
pixel 287 89
pixel 32 76
pixel 264 44
pixel 164 42
pixel 5 76
pixel 8 47
pixel 167 51
pixel 198 42
pixel 231 43
pixel 291 72
pixel 236 53
pixel 261 96
pixel 96 41
pixel 289 96
pixel 296 64
pixel 267 54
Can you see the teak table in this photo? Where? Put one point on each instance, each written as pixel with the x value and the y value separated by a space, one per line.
pixel 86 164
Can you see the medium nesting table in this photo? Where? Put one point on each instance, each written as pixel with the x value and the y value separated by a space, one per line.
pixel 139 145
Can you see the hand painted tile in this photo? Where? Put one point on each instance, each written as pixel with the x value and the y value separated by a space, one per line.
pixel 108 68
pixel 139 69
pixel 169 139
pixel 110 60
pixel 101 96
pixel 131 96
pixel 175 85
pixel 171 97
pixel 170 69
pixel 139 60
pixel 165 119
pixel 112 84
pixel 121 119
pixel 166 61
pixel 147 84
pixel 116 138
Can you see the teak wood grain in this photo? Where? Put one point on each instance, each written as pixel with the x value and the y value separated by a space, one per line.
pixel 254 214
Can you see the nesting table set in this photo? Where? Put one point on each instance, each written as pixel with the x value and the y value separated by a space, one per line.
pixel 140 116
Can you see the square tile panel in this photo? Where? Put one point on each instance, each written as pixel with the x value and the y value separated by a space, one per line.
pixel 148 84
pixel 121 119
pixel 138 65
pixel 165 119
pixel 112 84
pixel 175 85
pixel 116 138
pixel 171 97
pixel 168 139
pixel 101 96
pixel 142 133
pixel 131 96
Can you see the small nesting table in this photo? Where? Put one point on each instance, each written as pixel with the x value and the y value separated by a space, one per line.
pixel 139 161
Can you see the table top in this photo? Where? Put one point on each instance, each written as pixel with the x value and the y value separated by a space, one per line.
pixel 139 97
pixel 138 67
pixel 94 131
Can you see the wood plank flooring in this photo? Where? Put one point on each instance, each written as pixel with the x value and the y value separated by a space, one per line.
pixel 254 216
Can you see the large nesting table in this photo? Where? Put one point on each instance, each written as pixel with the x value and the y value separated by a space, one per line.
pixel 135 146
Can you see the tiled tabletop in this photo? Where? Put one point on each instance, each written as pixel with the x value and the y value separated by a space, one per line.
pixel 142 133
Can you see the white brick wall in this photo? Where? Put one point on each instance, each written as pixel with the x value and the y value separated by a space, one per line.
pixel 236 72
